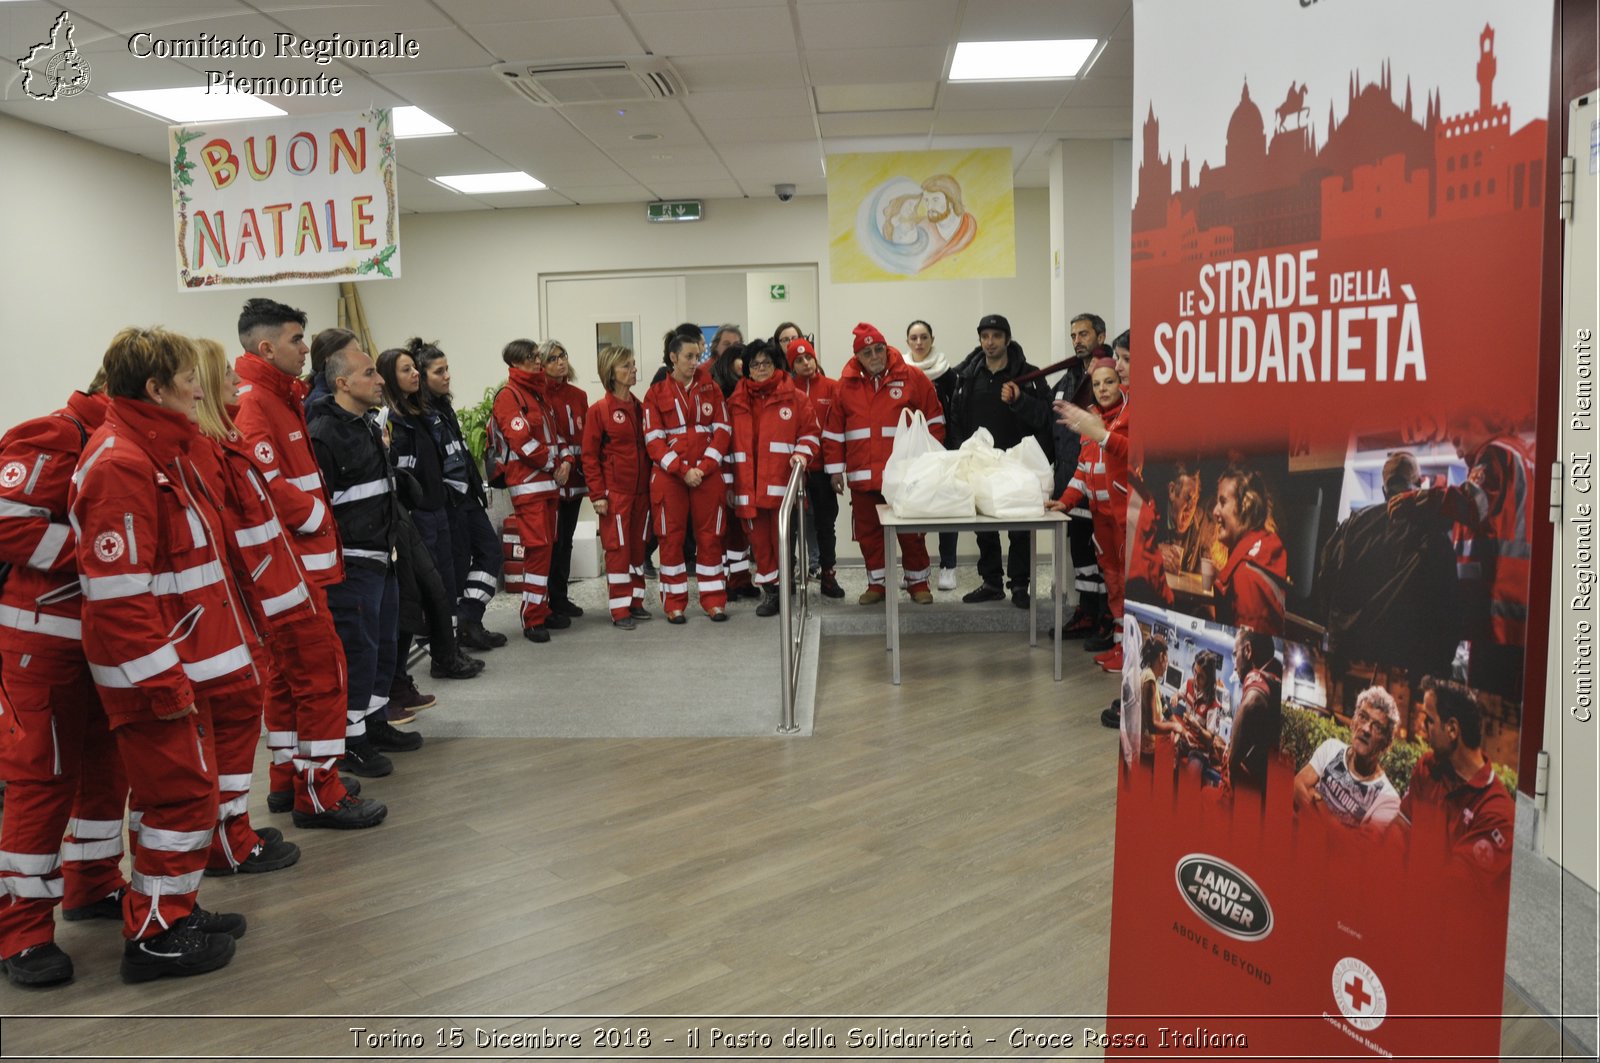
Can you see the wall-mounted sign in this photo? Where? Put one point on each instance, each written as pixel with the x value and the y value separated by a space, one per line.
pixel 778 292
pixel 673 210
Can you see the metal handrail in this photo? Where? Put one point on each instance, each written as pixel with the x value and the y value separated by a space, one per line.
pixel 791 634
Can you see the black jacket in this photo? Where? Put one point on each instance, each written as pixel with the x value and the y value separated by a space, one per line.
pixel 450 425
pixel 413 448
pixel 967 411
pixel 360 481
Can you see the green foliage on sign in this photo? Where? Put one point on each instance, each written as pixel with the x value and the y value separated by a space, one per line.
pixel 379 262
pixel 1304 731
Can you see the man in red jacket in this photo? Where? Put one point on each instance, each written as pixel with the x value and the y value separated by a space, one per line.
pixel 56 751
pixel 305 723
pixel 162 629
pixel 856 442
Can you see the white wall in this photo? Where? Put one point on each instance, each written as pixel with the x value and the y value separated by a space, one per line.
pixel 88 237
pixel 714 299
pixel 89 231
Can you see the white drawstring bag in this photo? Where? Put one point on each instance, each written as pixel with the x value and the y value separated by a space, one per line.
pixel 911 440
pixel 934 487
pixel 1003 485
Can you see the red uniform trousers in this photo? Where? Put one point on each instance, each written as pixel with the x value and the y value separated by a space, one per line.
pixel 736 552
pixel 1110 544
pixel 306 681
pixel 676 505
pixel 63 780
pixel 536 524
pixel 622 535
pixel 762 531
pixel 236 725
pixel 869 533
pixel 171 769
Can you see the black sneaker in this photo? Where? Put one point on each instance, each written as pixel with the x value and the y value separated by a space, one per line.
pixel 1020 597
pixel 536 634
pixel 985 592
pixel 472 635
pixel 363 759
pixel 229 923
pixel 649 569
pixel 179 952
pixel 107 907
pixel 830 584
pixel 268 855
pixel 385 738
pixel 557 622
pixel 353 813
pixel 749 590
pixel 404 695
pixel 639 612
pixel 566 608
pixel 627 623
pixel 769 603
pixel 280 801
pixel 463 667
pixel 1111 717
pixel 38 966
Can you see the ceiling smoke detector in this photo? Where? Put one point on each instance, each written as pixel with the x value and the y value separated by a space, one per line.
pixel 607 81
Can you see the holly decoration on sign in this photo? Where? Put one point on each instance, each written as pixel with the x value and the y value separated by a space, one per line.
pixel 379 262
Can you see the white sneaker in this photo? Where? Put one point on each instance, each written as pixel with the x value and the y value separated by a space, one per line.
pixel 947 579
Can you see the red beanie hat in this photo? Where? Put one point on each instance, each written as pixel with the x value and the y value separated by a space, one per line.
pixel 866 335
pixel 797 347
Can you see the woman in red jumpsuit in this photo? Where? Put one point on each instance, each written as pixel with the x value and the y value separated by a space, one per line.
pixel 1102 482
pixel 775 431
pixel 616 467
pixel 570 405
pixel 686 432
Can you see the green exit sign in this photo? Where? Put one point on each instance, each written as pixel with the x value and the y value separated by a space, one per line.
pixel 779 292
pixel 673 210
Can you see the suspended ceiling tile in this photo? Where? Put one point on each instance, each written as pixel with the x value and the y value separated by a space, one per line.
pixel 429 90
pixel 876 123
pixel 630 193
pixel 643 7
pixel 1040 20
pixel 756 103
pixel 567 38
pixel 1009 121
pixel 741 72
pixel 905 23
pixel 710 189
pixel 1115 60
pixel 735 134
pixel 433 156
pixel 515 10
pixel 78 113
pixel 1103 92
pixel 875 66
pixel 904 96
pixel 698 31
pixel 1000 95
pixel 1111 121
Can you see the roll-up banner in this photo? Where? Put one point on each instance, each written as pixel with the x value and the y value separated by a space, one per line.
pixel 1337 229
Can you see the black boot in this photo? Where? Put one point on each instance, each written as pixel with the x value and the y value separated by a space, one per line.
pixel 769 602
pixel 472 635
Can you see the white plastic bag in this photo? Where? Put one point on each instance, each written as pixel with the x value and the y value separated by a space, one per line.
pixel 911 440
pixel 978 456
pixel 1031 456
pixel 934 487
pixel 1008 491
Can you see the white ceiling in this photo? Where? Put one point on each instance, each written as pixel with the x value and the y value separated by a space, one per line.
pixel 772 85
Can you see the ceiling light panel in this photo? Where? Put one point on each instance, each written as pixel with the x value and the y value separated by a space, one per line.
pixel 193 104
pixel 483 184
pixel 1018 60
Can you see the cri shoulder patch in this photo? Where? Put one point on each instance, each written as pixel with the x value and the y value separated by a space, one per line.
pixel 109 546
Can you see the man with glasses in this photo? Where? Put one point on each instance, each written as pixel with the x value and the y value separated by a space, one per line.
pixel 856 442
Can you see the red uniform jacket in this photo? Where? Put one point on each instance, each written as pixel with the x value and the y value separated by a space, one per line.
pixel 1452 820
pixel 772 422
pixel 615 462
pixel 264 562
pixel 161 617
pixel 524 436
pixel 271 411
pixel 40 602
pixel 1253 586
pixel 569 405
pixel 822 392
pixel 687 428
pixel 1493 509
pixel 859 433
pixel 1101 479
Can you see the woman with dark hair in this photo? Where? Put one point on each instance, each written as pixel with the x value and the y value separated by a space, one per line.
pixel 786 334
pixel 920 353
pixel 1152 710
pixel 775 430
pixel 689 331
pixel 570 405
pixel 475 543
pixel 686 433
pixel 822 505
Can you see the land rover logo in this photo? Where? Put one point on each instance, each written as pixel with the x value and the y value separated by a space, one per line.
pixel 1224 896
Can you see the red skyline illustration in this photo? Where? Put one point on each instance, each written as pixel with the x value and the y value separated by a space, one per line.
pixel 1381 169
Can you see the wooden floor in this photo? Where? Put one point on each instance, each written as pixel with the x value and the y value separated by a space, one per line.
pixel 938 849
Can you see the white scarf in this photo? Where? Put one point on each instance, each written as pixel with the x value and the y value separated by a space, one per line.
pixel 934 367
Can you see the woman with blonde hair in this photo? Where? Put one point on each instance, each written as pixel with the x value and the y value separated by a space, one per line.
pixel 570 405
pixel 300 649
pixel 617 469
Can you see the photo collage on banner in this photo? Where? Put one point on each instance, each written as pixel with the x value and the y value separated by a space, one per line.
pixel 1337 230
